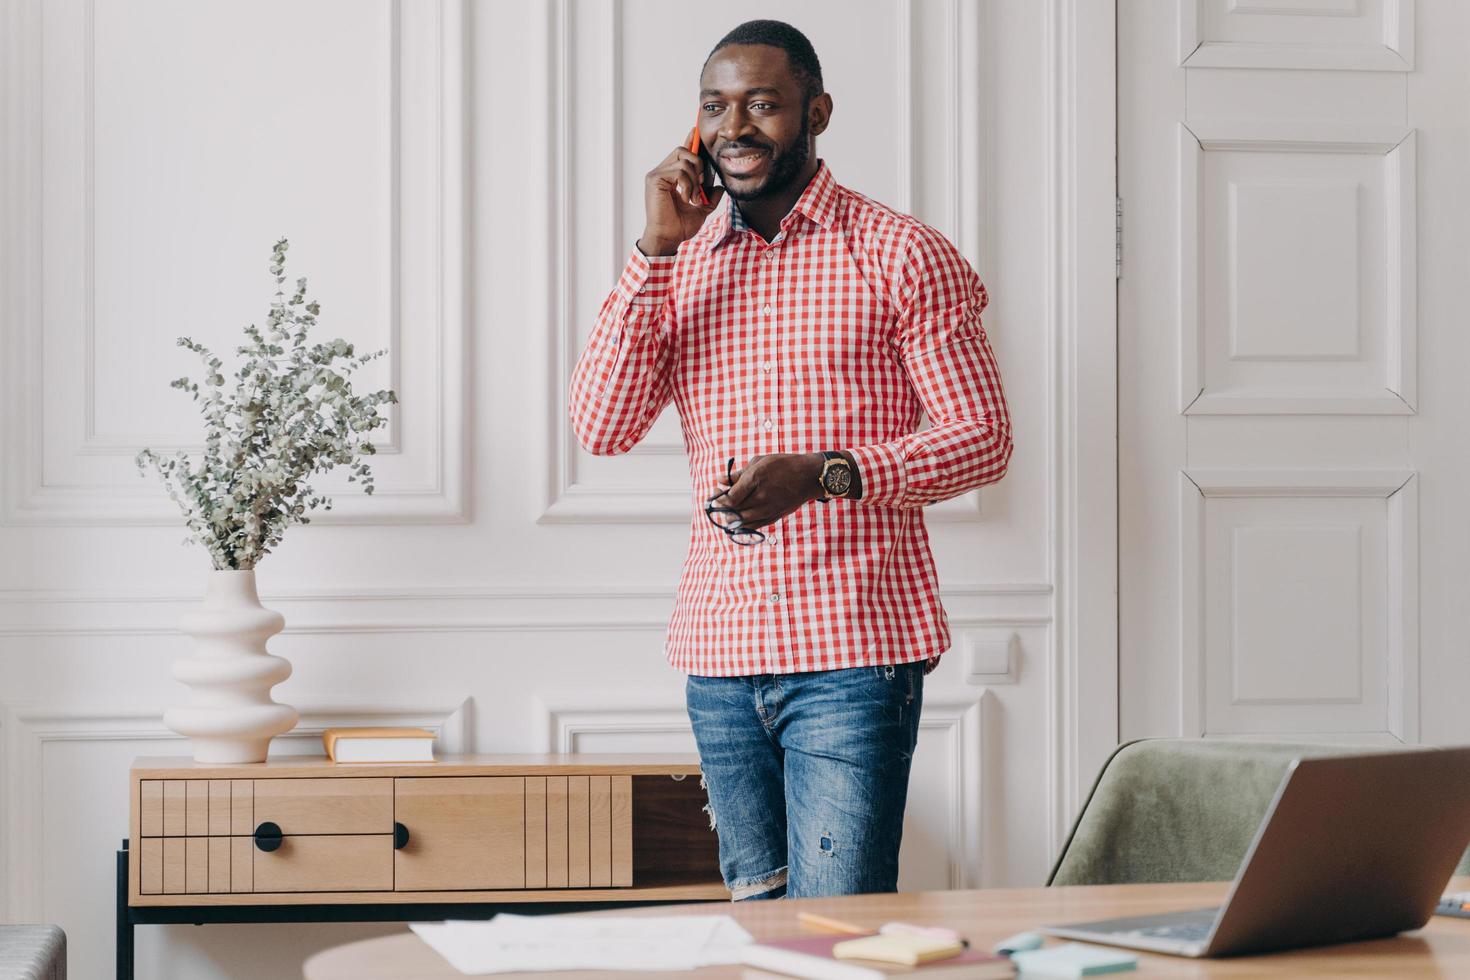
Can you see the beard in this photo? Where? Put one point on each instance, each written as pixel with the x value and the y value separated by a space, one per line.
pixel 786 164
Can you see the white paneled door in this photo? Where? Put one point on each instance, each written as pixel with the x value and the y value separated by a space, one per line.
pixel 1277 303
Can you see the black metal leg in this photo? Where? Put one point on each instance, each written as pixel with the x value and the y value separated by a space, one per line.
pixel 128 918
pixel 124 921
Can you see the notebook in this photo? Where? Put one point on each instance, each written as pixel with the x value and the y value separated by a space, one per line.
pixel 811 957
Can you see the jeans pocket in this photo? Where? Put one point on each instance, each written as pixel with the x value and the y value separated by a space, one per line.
pixel 910 675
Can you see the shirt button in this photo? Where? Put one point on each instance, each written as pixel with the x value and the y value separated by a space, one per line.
pixel 766 309
pixel 768 424
pixel 771 539
pixel 775 598
pixel 766 366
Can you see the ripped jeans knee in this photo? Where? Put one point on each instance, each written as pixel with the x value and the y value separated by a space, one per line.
pixel 709 808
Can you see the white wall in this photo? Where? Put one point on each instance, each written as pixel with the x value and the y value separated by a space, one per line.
pixel 461 185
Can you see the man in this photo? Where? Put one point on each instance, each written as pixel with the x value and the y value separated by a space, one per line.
pixel 802 330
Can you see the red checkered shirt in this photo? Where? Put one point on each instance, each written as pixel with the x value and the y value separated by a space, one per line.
pixel 842 332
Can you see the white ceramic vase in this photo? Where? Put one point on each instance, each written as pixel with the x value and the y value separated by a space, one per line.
pixel 230 717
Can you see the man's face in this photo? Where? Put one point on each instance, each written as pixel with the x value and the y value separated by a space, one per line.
pixel 754 120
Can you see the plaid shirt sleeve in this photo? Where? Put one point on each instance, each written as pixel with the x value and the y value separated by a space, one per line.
pixel 953 370
pixel 622 380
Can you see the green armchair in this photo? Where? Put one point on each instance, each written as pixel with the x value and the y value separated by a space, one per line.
pixel 1179 810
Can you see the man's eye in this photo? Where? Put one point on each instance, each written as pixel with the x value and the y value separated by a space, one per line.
pixel 711 107
pixel 766 104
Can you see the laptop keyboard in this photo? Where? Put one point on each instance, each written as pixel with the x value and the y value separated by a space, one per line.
pixel 1455 903
pixel 1188 932
pixel 1192 926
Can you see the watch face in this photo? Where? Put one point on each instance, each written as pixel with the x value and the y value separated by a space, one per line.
pixel 837 480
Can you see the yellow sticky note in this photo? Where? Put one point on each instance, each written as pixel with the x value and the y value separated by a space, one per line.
pixel 897 948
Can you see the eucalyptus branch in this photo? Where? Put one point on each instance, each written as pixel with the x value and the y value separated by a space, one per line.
pixel 292 415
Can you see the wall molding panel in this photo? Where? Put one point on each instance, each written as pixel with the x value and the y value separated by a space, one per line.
pixel 60 469
pixel 450 609
pixel 1080 666
pixel 389 273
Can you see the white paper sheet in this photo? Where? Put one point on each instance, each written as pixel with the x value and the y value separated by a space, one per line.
pixel 508 943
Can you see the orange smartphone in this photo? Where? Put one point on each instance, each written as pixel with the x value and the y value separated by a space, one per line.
pixel 707 178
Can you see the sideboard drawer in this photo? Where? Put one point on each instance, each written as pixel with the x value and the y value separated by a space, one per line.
pixel 325 806
pixel 463 833
pixel 345 863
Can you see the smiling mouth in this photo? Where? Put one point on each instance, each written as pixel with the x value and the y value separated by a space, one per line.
pixel 744 163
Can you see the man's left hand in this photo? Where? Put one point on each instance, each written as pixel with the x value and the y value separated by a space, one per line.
pixel 768 488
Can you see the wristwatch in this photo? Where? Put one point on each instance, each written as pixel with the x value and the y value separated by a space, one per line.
pixel 836 477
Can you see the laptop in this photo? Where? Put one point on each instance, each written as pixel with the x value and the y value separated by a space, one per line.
pixel 1352 847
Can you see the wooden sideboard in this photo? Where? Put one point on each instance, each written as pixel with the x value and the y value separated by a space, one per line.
pixel 305 839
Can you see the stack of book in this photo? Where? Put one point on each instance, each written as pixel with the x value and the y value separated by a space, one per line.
pixel 379 744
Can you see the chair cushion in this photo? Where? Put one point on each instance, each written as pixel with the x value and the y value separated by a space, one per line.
pixel 1179 809
pixel 32 952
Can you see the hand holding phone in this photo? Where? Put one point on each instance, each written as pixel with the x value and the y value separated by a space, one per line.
pixel 678 195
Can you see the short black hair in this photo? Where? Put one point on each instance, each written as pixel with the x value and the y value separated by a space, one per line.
pixel 779 34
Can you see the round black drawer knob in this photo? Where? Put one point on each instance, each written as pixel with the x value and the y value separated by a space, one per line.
pixel 268 836
pixel 400 837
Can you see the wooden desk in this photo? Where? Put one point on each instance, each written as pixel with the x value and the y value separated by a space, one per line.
pixel 1441 949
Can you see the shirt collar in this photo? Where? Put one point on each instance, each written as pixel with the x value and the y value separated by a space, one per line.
pixel 818 202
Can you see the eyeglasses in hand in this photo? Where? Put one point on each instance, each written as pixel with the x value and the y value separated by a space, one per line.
pixel 727 518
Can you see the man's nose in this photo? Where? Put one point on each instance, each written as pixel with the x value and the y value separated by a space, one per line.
pixel 734 124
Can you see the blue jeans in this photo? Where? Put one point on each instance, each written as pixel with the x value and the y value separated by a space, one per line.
pixel 807 776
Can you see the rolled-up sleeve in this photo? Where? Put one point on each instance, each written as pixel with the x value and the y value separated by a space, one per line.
pixel 949 362
pixel 621 383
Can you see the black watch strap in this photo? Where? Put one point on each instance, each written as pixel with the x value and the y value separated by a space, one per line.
pixel 856 491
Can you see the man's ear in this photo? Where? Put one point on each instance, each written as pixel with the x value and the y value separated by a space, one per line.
pixel 819 114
